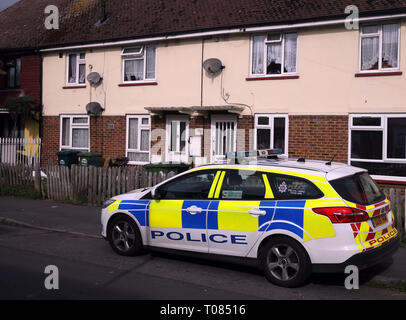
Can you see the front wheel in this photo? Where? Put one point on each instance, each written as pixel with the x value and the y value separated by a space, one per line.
pixel 124 236
pixel 285 262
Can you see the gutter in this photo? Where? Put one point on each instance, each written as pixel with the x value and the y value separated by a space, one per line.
pixel 225 32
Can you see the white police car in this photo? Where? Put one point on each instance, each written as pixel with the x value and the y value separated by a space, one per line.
pixel 295 217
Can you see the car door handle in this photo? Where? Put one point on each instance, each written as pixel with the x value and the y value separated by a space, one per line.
pixel 194 210
pixel 257 212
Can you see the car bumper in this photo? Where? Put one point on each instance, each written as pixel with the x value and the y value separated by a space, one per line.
pixel 362 260
pixel 104 220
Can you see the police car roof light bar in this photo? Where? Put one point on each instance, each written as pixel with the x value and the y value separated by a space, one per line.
pixel 240 156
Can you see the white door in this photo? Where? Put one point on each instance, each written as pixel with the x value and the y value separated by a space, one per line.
pixel 223 136
pixel 177 142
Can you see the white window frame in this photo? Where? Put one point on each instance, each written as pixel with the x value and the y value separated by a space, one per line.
pixel 176 155
pixel 266 42
pixel 141 55
pixel 141 126
pixel 271 117
pixel 379 34
pixel 79 61
pixel 384 129
pixel 71 127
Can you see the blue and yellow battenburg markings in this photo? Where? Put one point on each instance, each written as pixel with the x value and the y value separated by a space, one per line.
pixel 295 216
pixel 137 208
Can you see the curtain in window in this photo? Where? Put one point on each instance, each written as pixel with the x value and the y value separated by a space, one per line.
pixel 82 73
pixel 369 53
pixel 138 156
pixel 133 134
pixel 144 140
pixel 290 52
pixel 258 54
pixel 65 131
pixel 150 72
pixel 274 59
pixel 134 70
pixel 72 68
pixel 80 138
pixel 390 45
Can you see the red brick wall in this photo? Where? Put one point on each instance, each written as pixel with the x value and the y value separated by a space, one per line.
pixel 319 137
pixel 108 136
pixel 31 75
pixel 247 123
pixel 108 140
pixel 50 140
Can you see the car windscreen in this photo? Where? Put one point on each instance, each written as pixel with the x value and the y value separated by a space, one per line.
pixel 358 188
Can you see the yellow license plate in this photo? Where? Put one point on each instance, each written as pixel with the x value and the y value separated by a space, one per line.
pixel 380 220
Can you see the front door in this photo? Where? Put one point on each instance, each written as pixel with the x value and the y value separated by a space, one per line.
pixel 178 219
pixel 223 136
pixel 177 142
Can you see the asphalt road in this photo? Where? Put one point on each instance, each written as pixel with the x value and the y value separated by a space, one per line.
pixel 88 269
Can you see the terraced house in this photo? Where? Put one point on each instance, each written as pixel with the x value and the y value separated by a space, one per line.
pixel 188 81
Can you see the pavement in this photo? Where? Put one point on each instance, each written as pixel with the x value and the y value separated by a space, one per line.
pixel 85 221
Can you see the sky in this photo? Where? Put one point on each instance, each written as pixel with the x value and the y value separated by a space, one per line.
pixel 6 3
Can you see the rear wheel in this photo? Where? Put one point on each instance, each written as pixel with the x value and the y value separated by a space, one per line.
pixel 124 236
pixel 285 262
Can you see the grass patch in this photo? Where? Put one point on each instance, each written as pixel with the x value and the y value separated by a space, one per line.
pixel 398 285
pixel 20 191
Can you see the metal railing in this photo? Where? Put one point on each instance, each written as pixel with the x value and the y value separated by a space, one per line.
pixel 20 151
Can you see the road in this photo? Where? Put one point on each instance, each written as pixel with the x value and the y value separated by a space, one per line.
pixel 88 269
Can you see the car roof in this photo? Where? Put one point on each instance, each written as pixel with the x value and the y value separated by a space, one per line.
pixel 332 171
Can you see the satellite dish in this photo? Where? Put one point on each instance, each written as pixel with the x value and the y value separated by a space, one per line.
pixel 94 108
pixel 94 78
pixel 213 65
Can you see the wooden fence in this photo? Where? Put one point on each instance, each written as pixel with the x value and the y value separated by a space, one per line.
pixel 16 174
pixel 95 185
pixel 398 203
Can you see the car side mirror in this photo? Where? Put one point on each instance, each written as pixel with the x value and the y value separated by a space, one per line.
pixel 156 195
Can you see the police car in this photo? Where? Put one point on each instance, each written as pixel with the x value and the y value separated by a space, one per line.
pixel 294 216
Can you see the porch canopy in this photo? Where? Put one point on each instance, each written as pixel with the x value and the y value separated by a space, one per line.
pixel 196 111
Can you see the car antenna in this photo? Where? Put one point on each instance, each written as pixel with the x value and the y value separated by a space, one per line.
pixel 331 161
pixel 302 159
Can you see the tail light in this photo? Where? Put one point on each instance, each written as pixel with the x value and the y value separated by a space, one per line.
pixel 343 214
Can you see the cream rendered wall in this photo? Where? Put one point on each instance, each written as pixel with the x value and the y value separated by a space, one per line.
pixel 328 59
pixel 177 76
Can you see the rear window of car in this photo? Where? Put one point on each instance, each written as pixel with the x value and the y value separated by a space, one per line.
pixel 359 188
pixel 293 188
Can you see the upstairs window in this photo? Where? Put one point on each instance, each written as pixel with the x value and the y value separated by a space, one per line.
pixel 380 47
pixel 13 68
pixel 274 54
pixel 76 68
pixel 139 63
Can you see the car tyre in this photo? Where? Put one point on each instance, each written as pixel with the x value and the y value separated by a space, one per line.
pixel 285 262
pixel 124 236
